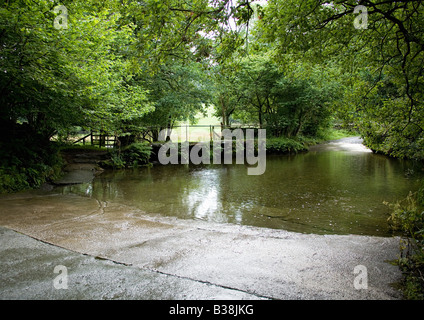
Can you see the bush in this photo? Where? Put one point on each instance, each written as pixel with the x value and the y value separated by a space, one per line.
pixel 408 217
pixel 14 179
pixel 133 156
pixel 284 145
pixel 28 163
pixel 137 154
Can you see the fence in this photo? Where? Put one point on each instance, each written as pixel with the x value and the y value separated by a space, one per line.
pixel 180 133
pixel 100 139
pixel 196 133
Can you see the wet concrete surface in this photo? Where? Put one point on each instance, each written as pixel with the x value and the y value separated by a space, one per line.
pixel 78 173
pixel 27 269
pixel 114 251
pixel 81 166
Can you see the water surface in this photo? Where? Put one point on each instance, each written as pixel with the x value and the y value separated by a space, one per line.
pixel 336 188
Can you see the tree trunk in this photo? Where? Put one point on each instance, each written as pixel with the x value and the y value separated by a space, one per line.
pixel 260 117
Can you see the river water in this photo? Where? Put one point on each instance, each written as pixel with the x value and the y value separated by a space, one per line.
pixel 336 188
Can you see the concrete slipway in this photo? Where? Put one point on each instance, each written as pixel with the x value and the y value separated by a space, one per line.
pixel 113 251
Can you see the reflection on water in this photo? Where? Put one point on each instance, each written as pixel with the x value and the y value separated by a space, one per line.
pixel 336 188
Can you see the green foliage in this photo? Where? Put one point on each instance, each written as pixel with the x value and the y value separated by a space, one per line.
pixel 178 91
pixel 12 180
pixel 115 162
pixel 385 120
pixel 287 103
pixel 26 165
pixel 284 145
pixel 227 95
pixel 413 283
pixel 132 156
pixel 383 89
pixel 137 154
pixel 407 216
pixel 186 30
pixel 55 79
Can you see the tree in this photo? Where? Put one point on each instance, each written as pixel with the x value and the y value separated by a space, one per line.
pixel 257 80
pixel 54 79
pixel 226 95
pixel 288 102
pixel 178 91
pixel 390 47
pixel 186 29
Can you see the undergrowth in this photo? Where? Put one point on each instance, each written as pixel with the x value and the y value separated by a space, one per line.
pixel 407 216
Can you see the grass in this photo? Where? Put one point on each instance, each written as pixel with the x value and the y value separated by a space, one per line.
pixel 335 134
pixel 194 133
pixel 82 148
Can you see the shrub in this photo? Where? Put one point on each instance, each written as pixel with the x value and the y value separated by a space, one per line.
pixel 407 216
pixel 115 162
pixel 284 145
pixel 135 155
pixel 28 164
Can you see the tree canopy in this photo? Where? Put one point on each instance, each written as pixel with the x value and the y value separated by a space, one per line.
pixel 292 66
pixel 381 61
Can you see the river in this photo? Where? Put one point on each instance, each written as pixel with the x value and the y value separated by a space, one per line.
pixel 336 188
